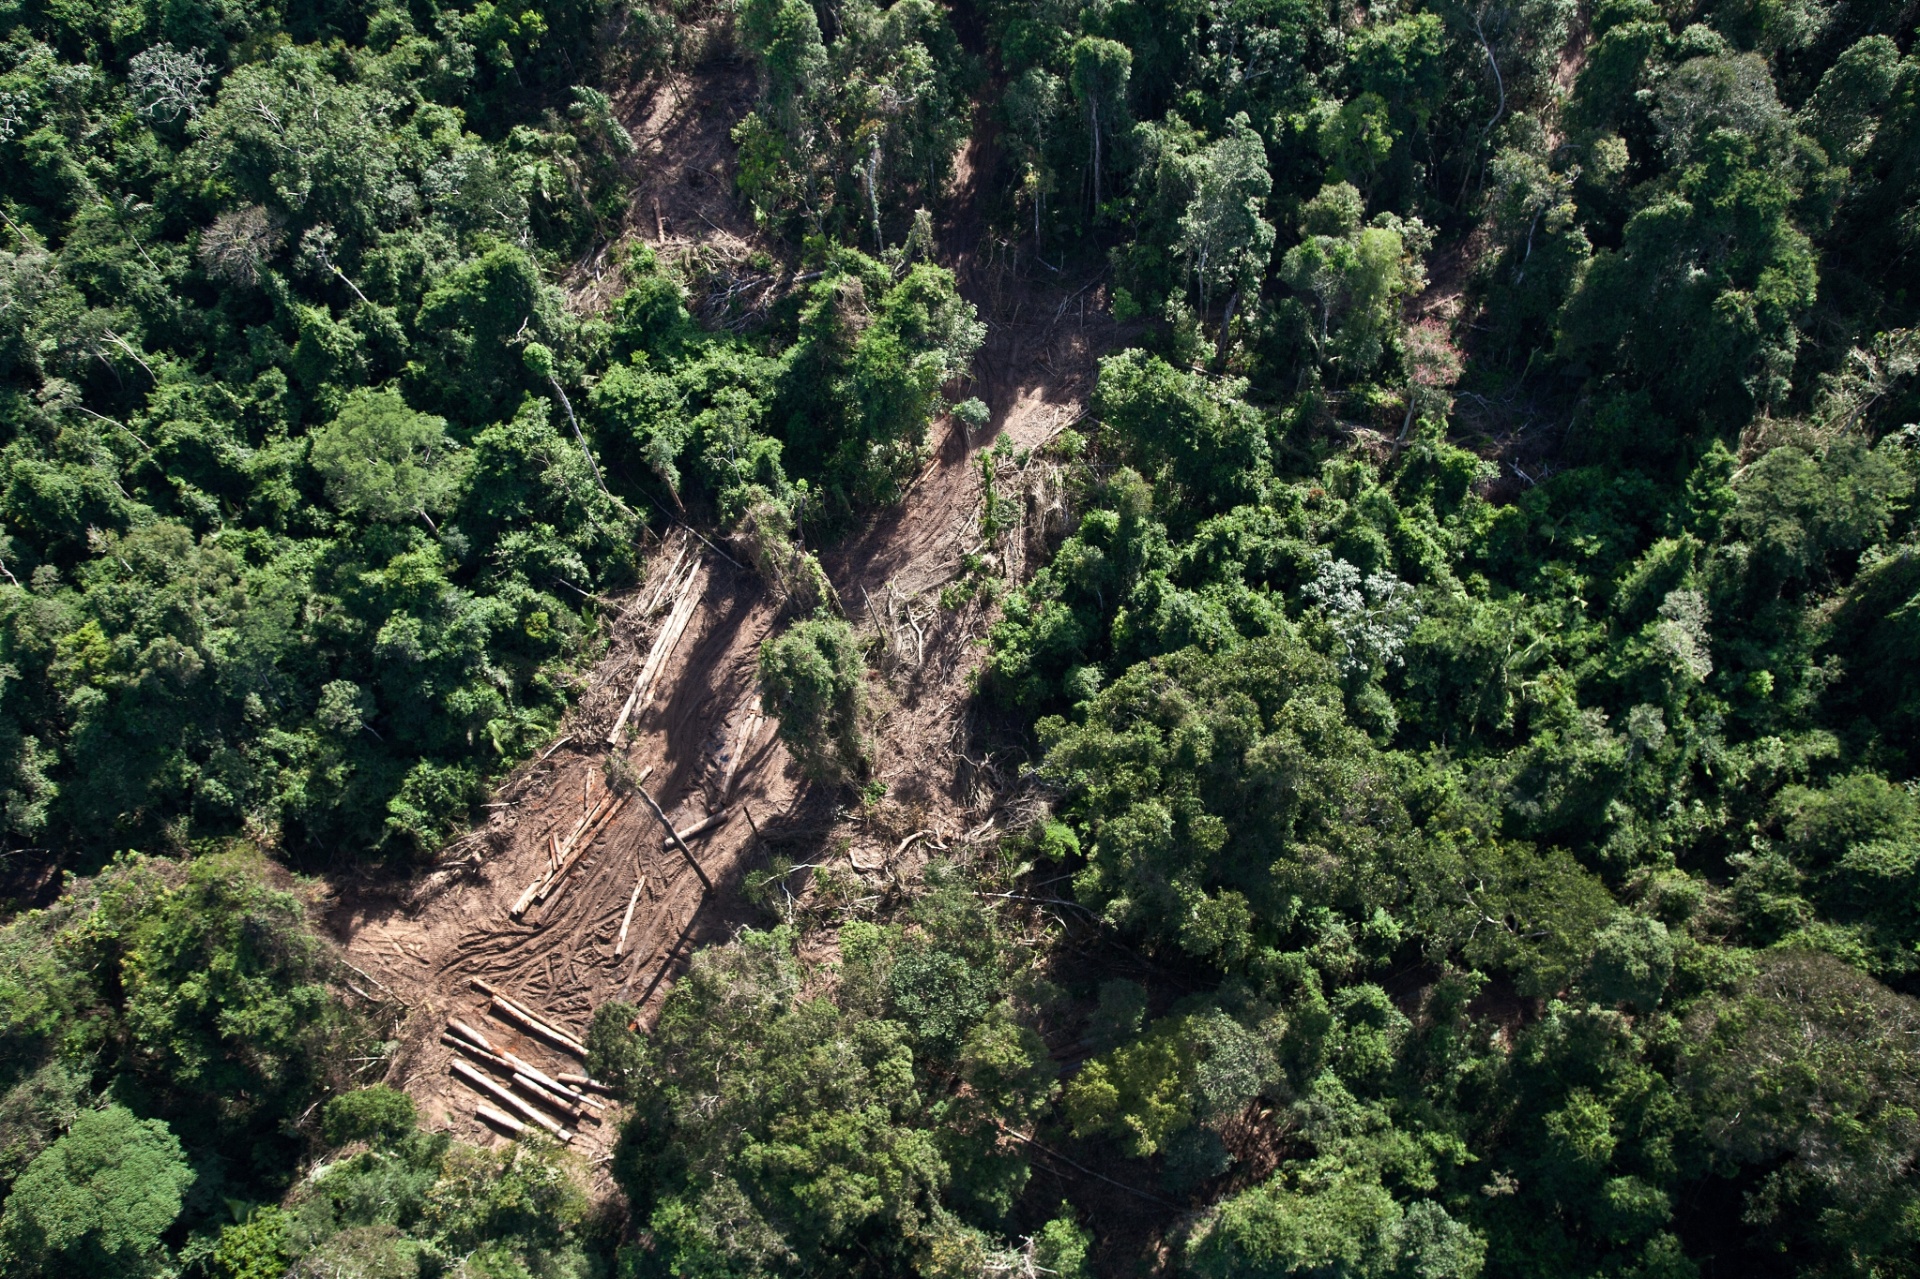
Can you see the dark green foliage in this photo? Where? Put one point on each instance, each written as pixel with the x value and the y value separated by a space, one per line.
pixel 268 220
pixel 852 129
pixel 1209 444
pixel 1801 1075
pixel 418 1202
pixel 198 989
pixel 774 1132
pixel 379 1115
pixel 1470 799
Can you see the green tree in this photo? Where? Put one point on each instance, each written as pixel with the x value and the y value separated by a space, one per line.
pixel 1223 236
pixel 1729 211
pixel 1187 431
pixel 1804 1076
pixel 1355 277
pixel 1100 71
pixel 98 1200
pixel 379 1114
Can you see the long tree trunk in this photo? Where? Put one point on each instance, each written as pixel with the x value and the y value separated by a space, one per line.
pixel 872 175
pixel 1094 106
pixel 1226 326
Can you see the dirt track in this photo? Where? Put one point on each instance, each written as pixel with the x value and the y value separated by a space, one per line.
pixel 426 942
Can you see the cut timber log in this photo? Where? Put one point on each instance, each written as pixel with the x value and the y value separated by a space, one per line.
pixel 499 1119
pixel 560 858
pixel 689 604
pixel 565 846
pixel 669 639
pixel 472 1035
pixel 492 992
pixel 510 1011
pixel 481 1083
pixel 561 847
pixel 713 821
pixel 620 947
pixel 515 1014
pixel 679 843
pixel 549 1098
pixel 525 899
pixel 582 1081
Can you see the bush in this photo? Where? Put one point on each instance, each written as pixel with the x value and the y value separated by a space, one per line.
pixel 378 1115
pixel 812 678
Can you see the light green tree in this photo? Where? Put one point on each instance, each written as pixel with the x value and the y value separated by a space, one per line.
pixel 1355 276
pixel 812 678
pixel 383 461
pixel 1223 236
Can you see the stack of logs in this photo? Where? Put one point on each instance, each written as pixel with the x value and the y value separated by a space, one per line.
pixel 566 1095
pixel 686 600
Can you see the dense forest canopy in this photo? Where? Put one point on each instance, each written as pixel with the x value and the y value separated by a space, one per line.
pixel 1473 690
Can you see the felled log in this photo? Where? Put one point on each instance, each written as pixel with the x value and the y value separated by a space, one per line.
pixel 499 1119
pixel 742 743
pixel 583 1081
pixel 561 849
pixel 552 1100
pixel 560 857
pixel 712 821
pixel 523 1010
pixel 525 899
pixel 507 1010
pixel 556 856
pixel 560 1039
pixel 467 1032
pixel 620 947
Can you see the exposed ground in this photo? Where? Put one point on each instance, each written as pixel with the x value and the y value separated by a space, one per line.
pixel 423 943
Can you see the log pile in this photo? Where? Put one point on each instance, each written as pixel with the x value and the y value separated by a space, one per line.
pixel 524 1096
pixel 685 602
pixel 486 1086
pixel 464 1037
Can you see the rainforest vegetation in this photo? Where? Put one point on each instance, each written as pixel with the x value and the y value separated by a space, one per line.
pixel 1471 703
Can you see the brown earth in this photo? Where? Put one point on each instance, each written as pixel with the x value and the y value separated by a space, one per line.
pixel 424 942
